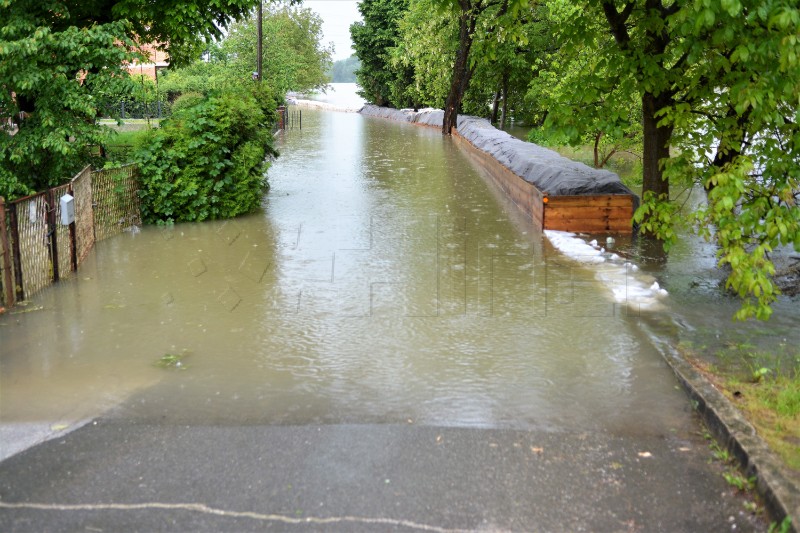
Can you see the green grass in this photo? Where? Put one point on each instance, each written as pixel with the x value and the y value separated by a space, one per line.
pixel 627 166
pixel 122 145
pixel 773 406
pixel 138 121
pixel 765 387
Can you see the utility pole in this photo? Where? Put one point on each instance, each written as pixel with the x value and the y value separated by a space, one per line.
pixel 260 39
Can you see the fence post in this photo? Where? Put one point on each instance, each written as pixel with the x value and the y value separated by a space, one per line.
pixel 281 112
pixel 73 240
pixel 7 281
pixel 50 210
pixel 16 253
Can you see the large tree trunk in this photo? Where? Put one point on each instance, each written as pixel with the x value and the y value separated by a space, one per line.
pixel 495 106
pixel 656 144
pixel 461 71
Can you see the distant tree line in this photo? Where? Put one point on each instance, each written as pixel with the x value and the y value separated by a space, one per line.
pixel 344 70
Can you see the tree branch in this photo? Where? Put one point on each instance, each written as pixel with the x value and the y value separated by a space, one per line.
pixel 617 20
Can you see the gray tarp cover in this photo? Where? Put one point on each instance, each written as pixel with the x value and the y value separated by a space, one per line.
pixel 547 170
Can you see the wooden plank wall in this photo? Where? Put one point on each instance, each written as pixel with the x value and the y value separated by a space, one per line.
pixel 587 213
pixel 590 214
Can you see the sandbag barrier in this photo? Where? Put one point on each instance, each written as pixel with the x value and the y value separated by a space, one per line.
pixel 556 192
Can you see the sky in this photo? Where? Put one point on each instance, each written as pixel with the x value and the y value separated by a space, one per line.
pixel 337 15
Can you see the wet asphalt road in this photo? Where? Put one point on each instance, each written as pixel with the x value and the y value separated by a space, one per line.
pixel 114 475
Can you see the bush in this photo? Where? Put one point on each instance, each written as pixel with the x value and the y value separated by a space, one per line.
pixel 208 160
pixel 185 100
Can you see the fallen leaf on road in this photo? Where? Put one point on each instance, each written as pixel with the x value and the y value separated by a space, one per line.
pixel 645 454
pixel 535 449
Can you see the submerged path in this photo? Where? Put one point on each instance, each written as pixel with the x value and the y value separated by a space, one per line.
pixel 385 348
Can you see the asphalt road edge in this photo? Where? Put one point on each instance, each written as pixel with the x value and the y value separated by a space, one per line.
pixel 781 495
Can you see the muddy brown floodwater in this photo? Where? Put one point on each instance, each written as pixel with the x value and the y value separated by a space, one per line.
pixel 383 281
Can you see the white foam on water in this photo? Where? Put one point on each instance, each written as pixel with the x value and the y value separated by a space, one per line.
pixel 625 283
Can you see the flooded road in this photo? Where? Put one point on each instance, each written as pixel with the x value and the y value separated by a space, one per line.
pixel 384 281
pixel 386 345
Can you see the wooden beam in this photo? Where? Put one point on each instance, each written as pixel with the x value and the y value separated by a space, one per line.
pixel 8 281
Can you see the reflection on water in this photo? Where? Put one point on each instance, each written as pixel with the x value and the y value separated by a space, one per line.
pixel 382 282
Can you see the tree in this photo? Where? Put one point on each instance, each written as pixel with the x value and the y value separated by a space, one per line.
pixel 382 81
pixel 468 13
pixel 294 57
pixel 200 77
pixel 580 100
pixel 624 53
pixel 487 17
pixel 737 134
pixel 506 53
pixel 503 44
pixel 344 70
pixel 55 53
pixel 425 47
pixel 718 85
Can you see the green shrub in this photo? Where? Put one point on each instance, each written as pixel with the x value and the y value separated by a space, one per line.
pixel 208 160
pixel 185 100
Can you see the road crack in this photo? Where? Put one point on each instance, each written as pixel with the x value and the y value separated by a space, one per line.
pixel 205 509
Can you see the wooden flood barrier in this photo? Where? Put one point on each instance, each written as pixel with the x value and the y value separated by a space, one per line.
pixel 589 213
pixel 610 213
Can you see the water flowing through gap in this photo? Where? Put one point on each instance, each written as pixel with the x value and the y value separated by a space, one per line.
pixel 384 282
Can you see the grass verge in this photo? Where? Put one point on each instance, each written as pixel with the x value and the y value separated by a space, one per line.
pixel 765 388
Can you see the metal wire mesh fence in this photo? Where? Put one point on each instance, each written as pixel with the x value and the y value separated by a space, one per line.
pixel 38 247
pixel 30 245
pixel 116 200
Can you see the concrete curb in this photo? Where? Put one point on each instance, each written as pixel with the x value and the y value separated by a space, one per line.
pixel 781 495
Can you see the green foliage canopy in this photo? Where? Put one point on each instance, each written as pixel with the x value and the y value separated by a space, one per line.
pixel 200 77
pixel 56 56
pixel 383 81
pixel 48 72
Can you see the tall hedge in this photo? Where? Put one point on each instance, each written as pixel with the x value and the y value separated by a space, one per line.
pixel 209 160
